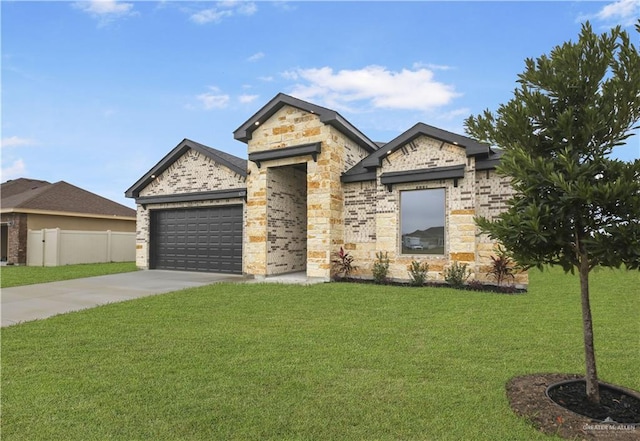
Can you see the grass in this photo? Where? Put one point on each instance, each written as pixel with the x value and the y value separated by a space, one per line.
pixel 28 275
pixel 321 362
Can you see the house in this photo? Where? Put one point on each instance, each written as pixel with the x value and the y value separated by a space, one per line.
pixel 314 183
pixel 31 204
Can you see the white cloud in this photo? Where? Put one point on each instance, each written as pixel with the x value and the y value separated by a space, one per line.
pixel 246 99
pixel 255 57
pixel 105 10
pixel 210 15
pixel 266 79
pixel 432 66
pixel 16 141
pixel 247 8
pixel 378 86
pixel 15 170
pixel 623 12
pixel 222 10
pixel 213 99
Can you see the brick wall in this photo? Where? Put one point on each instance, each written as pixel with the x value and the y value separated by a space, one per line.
pixel 16 237
pixel 492 193
pixel 192 172
pixel 287 220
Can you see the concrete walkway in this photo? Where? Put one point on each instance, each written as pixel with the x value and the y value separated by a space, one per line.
pixel 32 302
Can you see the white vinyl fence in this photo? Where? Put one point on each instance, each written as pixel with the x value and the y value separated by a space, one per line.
pixel 56 247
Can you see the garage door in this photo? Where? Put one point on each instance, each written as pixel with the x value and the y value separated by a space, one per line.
pixel 197 239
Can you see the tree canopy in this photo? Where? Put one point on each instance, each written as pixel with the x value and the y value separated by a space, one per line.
pixel 574 205
pixel 571 109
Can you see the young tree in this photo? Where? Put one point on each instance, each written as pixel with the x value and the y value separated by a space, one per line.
pixel 575 207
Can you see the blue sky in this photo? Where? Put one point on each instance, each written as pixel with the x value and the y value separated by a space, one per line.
pixel 95 93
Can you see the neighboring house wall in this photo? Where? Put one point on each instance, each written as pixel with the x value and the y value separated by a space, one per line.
pixel 191 172
pixel 16 224
pixel 40 221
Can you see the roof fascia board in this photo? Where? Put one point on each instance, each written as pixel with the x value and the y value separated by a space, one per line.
pixel 487 164
pixel 193 197
pixel 65 213
pixel 360 177
pixel 423 174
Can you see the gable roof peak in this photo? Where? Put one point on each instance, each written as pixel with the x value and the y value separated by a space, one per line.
pixel 233 163
pixel 244 133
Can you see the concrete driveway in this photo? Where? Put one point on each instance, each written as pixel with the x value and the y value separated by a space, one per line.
pixel 32 302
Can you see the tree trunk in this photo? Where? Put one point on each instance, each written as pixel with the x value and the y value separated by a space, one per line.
pixel 593 391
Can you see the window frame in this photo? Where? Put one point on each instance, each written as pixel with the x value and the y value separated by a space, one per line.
pixel 445 240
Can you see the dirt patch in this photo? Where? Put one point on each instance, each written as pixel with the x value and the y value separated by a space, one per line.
pixel 528 399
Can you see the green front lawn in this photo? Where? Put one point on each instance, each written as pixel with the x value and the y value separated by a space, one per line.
pixel 28 275
pixel 322 362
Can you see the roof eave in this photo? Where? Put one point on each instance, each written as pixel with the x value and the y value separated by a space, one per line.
pixel 67 213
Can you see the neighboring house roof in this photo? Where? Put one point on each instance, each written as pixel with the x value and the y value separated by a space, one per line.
pixel 235 164
pixel 327 116
pixel 365 170
pixel 34 196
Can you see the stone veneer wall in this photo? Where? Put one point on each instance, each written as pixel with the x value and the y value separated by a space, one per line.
pixel 192 172
pixel 290 127
pixel 287 220
pixel 372 214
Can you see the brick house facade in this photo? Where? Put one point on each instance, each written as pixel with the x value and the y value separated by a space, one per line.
pixel 314 183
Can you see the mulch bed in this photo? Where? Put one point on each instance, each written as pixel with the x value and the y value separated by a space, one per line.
pixel 470 286
pixel 527 397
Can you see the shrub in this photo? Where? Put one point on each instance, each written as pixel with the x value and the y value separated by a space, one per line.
pixel 381 267
pixel 457 274
pixel 502 267
pixel 343 263
pixel 418 272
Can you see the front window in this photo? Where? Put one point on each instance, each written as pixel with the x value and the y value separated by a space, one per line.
pixel 422 221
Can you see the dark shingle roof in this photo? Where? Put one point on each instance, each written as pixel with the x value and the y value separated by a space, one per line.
pixel 31 194
pixel 365 169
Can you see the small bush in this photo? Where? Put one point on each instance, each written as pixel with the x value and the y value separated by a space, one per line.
pixel 457 274
pixel 381 267
pixel 418 272
pixel 502 267
pixel 343 263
